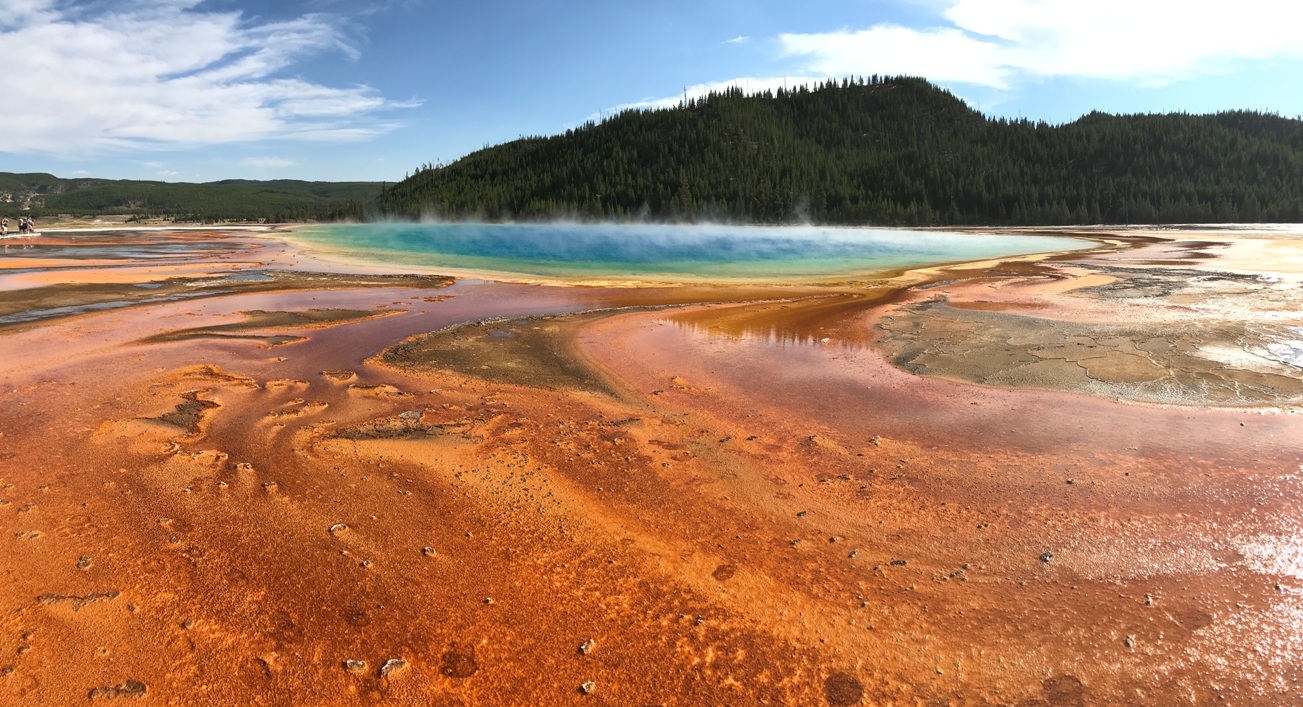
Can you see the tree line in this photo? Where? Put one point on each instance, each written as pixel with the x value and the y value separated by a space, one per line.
pixel 875 150
pixel 275 201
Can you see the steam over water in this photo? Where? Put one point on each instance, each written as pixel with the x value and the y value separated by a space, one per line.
pixel 662 252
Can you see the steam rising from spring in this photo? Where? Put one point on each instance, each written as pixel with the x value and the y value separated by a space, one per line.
pixel 662 251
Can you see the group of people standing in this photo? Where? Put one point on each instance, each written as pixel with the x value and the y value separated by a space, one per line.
pixel 25 225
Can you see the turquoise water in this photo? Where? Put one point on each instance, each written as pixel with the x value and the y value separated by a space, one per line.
pixel 660 251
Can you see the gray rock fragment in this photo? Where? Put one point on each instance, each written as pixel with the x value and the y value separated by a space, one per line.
pixel 130 688
pixel 355 666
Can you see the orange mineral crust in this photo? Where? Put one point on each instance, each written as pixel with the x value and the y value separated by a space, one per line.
pixel 1047 481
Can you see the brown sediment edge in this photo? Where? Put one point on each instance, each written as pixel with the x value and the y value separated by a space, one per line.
pixel 894 284
pixel 383 357
pixel 885 291
pixel 281 280
pixel 263 320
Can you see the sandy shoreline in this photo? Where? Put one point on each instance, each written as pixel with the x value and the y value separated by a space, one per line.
pixel 1055 479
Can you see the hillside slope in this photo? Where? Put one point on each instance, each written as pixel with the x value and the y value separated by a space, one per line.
pixel 881 150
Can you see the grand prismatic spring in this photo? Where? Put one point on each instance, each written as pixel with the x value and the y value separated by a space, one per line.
pixel 346 466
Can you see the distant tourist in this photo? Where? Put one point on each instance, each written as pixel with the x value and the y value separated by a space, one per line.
pixel 4 227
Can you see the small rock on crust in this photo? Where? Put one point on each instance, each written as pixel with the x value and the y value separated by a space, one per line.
pixel 588 688
pixel 428 551
pixel 130 688
pixel 341 376
pixel 393 666
pixel 1046 557
pixel 338 528
pixel 355 666
pixel 76 601
pixel 588 646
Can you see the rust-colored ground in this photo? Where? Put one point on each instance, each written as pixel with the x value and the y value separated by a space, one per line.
pixel 504 494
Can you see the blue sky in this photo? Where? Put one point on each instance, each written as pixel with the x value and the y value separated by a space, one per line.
pixel 186 90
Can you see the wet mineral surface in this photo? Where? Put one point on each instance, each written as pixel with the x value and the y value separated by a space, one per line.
pixel 1047 481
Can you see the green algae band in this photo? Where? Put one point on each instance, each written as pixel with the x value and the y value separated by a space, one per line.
pixel 659 251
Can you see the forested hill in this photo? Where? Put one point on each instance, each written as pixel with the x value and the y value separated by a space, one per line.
pixel 241 200
pixel 876 151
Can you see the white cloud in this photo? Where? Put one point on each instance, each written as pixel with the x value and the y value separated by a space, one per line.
pixel 995 42
pixel 267 162
pixel 737 40
pixel 940 54
pixel 166 74
pixel 166 173
pixel 748 86
pixel 1002 43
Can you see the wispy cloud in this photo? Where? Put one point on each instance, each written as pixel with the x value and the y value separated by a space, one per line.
pixel 997 42
pixel 267 162
pixel 737 40
pixel 168 74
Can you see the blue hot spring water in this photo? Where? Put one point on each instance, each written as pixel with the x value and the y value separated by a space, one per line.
pixel 661 252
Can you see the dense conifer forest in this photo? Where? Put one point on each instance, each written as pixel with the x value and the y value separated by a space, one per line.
pixel 43 195
pixel 874 151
